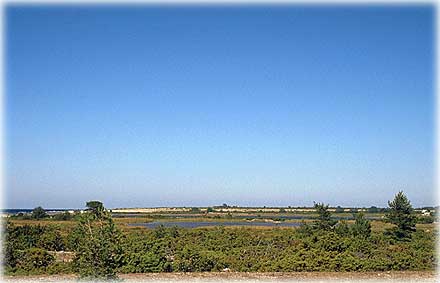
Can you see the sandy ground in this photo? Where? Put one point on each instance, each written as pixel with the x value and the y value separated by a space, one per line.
pixel 396 276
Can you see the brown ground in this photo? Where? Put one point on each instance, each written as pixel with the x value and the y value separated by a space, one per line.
pixel 395 276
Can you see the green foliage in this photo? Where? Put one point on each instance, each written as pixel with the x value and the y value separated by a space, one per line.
pixel 373 209
pixel 59 268
pixel 275 250
pixel 143 262
pixel 210 209
pixel 51 239
pixel 342 228
pixel 64 216
pixel 339 209
pixel 34 236
pixel 39 213
pixel 25 249
pixel 402 215
pixel 96 209
pixel 191 260
pixel 361 227
pixel 102 250
pixel 97 243
pixel 10 253
pixel 324 221
pixel 36 258
pixel 239 249
pixel 21 215
pixel 425 219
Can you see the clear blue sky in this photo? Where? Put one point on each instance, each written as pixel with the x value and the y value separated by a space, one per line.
pixel 192 106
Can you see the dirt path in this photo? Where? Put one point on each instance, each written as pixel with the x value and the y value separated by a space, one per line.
pixel 395 276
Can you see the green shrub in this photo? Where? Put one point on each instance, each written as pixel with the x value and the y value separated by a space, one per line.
pixel 361 227
pixel 144 262
pixel 64 216
pixel 108 251
pixel 428 219
pixel 97 243
pixel 35 258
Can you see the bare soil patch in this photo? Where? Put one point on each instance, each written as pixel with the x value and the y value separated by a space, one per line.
pixel 394 276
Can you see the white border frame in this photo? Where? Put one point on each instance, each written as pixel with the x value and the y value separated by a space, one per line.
pixel 436 72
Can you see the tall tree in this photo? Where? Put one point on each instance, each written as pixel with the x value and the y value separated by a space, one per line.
pixel 97 243
pixel 96 208
pixel 402 215
pixel 324 221
pixel 39 213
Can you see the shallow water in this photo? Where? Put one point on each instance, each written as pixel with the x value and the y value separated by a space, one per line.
pixel 195 224
pixel 285 217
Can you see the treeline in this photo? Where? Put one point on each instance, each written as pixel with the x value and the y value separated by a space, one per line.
pixel 39 213
pixel 102 250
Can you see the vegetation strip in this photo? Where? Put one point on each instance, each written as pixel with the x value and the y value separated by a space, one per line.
pixel 95 246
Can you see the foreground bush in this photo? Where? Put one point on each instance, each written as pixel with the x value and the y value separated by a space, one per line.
pixel 101 250
pixel 275 250
pixel 97 243
pixel 239 249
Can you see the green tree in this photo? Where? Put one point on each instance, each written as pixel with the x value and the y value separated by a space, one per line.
pixel 339 209
pixel 373 209
pixel 39 213
pixel 96 208
pixel 324 221
pixel 64 216
pixel 361 226
pixel 97 243
pixel 342 228
pixel 402 215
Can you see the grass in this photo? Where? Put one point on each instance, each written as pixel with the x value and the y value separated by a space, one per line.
pixel 122 222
